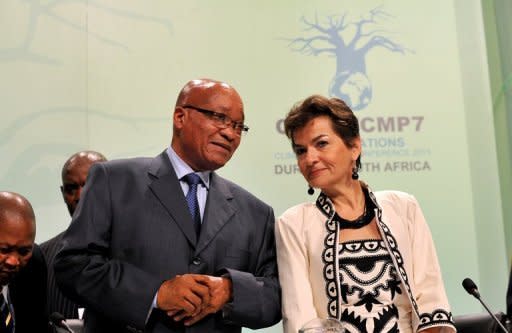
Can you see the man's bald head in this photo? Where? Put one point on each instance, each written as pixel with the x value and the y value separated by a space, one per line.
pixel 82 157
pixel 17 234
pixel 74 174
pixel 16 208
pixel 203 90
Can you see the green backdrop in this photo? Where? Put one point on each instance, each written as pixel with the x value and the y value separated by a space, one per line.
pixel 424 77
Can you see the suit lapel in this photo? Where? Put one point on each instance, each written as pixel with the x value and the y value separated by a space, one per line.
pixel 166 187
pixel 218 211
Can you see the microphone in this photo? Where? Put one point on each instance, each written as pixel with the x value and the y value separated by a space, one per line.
pixel 472 289
pixel 58 320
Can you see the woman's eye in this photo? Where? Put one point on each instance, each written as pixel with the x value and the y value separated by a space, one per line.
pixel 299 151
pixel 322 143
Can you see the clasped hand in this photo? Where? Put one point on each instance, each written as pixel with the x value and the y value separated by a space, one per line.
pixel 191 297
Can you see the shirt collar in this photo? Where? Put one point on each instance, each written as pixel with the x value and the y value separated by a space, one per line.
pixel 181 168
pixel 5 290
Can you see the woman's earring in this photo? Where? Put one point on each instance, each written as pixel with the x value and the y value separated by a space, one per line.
pixel 355 175
pixel 310 190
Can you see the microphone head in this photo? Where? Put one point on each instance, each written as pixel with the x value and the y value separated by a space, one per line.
pixel 470 287
pixel 57 317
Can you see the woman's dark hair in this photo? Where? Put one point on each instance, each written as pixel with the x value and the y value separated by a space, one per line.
pixel 344 122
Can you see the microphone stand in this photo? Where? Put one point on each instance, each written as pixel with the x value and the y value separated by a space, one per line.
pixel 492 314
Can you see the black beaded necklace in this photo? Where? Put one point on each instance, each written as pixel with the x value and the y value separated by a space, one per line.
pixel 361 221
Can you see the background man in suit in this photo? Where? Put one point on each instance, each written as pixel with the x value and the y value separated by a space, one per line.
pixel 165 244
pixel 22 268
pixel 74 174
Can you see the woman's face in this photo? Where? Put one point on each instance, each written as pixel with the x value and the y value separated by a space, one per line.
pixel 323 158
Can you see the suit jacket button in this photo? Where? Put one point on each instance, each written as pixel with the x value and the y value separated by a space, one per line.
pixel 196 261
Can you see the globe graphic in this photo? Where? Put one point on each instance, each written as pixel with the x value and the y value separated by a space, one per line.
pixel 352 87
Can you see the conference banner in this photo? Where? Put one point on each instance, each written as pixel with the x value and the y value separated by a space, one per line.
pixel 104 75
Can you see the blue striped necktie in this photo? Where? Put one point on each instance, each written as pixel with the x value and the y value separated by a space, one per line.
pixel 7 321
pixel 193 205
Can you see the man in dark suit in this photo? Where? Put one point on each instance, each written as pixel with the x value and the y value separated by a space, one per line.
pixel 22 268
pixel 165 244
pixel 74 173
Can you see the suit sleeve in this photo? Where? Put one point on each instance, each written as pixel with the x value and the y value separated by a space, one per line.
pixel 84 268
pixel 256 295
pixel 28 294
pixel 292 258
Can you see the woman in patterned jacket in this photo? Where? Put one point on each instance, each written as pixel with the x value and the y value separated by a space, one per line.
pixel 364 258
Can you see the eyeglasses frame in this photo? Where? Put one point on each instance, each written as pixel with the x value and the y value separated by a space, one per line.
pixel 222 120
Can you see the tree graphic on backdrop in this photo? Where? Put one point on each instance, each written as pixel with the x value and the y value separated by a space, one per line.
pixel 349 42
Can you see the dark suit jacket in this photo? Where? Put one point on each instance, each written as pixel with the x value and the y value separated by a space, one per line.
pixel 57 302
pixel 509 296
pixel 132 230
pixel 27 293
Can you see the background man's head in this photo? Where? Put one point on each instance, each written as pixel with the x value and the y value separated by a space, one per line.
pixel 17 234
pixel 208 123
pixel 74 174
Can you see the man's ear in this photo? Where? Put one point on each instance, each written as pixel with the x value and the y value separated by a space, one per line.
pixel 179 117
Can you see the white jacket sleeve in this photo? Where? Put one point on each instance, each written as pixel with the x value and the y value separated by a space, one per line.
pixel 431 297
pixel 293 265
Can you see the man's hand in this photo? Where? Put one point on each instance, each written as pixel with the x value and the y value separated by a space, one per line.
pixel 220 293
pixel 185 294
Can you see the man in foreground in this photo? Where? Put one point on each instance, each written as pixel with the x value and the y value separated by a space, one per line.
pixel 165 244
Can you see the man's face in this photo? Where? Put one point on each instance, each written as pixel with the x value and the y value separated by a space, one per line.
pixel 16 244
pixel 201 142
pixel 73 181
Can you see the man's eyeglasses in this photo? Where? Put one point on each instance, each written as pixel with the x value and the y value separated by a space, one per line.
pixel 221 120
